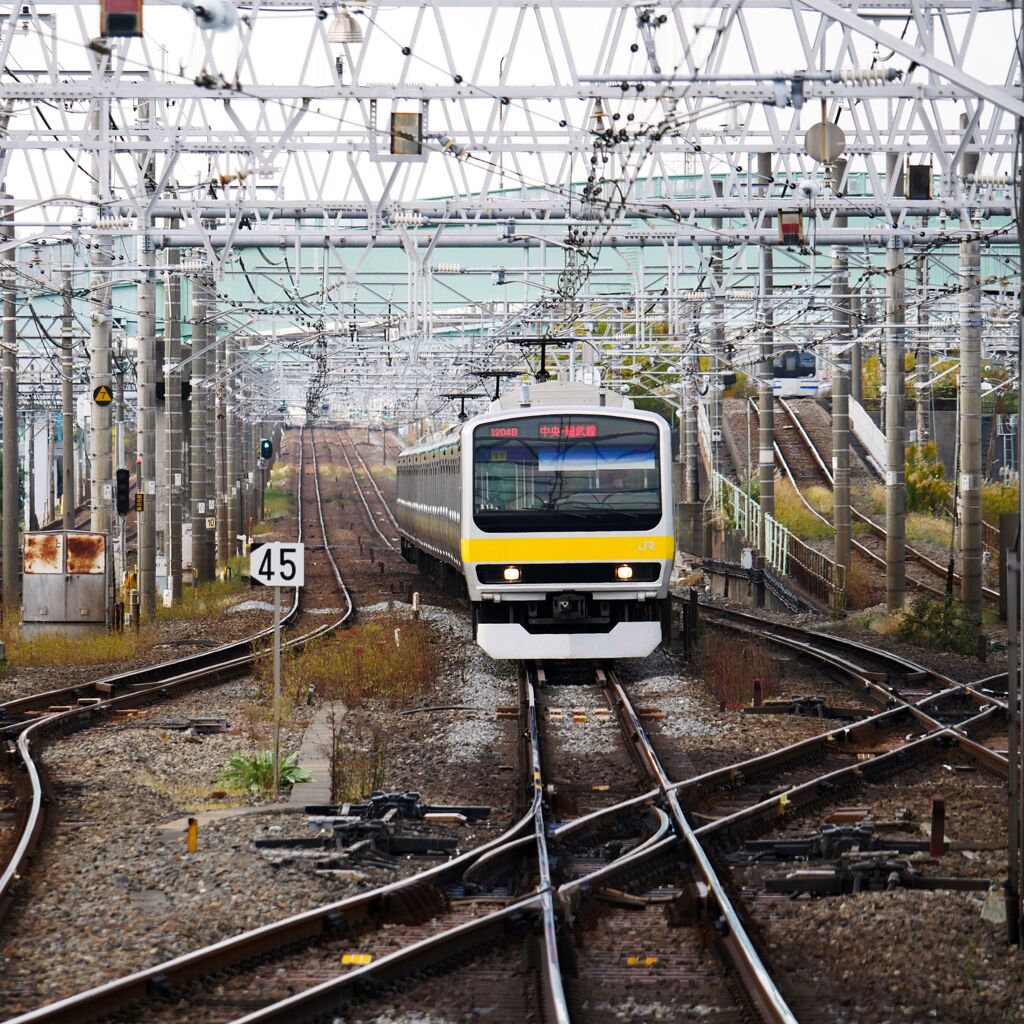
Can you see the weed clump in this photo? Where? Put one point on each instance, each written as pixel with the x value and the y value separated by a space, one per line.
pixel 254 773
pixel 942 625
pixel 730 666
pixel 389 659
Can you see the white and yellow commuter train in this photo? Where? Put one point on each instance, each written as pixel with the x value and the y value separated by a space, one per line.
pixel 553 512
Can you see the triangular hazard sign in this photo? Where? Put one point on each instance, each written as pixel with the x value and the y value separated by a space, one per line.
pixel 102 395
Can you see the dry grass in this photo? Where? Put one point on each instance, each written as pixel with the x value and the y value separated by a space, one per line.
pixel 208 600
pixel 389 659
pixel 279 500
pixel 925 528
pixel 796 516
pixel 869 498
pixel 859 590
pixel 730 665
pixel 96 647
pixel 820 499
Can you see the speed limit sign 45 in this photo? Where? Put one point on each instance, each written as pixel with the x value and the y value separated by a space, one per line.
pixel 278 564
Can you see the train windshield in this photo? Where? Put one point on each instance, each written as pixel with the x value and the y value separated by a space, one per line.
pixel 565 473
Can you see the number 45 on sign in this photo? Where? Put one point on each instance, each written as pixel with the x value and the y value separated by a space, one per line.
pixel 278 564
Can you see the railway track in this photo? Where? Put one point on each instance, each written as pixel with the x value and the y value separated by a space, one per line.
pixel 606 894
pixel 801 460
pixel 27 724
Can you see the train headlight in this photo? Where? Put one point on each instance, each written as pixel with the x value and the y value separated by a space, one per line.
pixel 624 572
pixel 512 574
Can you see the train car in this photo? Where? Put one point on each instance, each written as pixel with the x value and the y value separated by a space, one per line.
pixel 796 375
pixel 552 512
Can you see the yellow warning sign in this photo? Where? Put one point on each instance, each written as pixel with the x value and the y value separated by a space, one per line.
pixel 101 395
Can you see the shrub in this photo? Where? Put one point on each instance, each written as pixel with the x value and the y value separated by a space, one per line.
pixel 943 625
pixel 997 500
pixel 254 773
pixel 927 491
pixel 730 664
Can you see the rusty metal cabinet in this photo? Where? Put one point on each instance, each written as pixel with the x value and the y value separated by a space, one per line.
pixel 65 577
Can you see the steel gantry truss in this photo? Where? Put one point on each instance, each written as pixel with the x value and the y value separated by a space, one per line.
pixel 380 197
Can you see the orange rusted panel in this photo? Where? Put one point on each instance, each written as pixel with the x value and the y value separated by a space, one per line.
pixel 86 553
pixel 44 553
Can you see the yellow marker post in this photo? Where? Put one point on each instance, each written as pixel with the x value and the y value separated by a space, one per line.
pixel 193 835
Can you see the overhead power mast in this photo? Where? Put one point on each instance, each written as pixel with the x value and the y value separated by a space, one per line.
pixel 173 421
pixel 841 341
pixel 766 369
pixel 67 400
pixel 971 469
pixel 146 426
pixel 11 567
pixel 101 469
pixel 199 432
pixel 895 440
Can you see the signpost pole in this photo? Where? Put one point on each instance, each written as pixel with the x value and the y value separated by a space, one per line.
pixel 277 690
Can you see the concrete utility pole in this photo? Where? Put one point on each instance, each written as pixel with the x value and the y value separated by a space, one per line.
pixel 841 388
pixel 213 432
pixel 970 427
pixel 971 469
pixel 223 483
pixel 766 369
pixel 67 402
pixel 146 428
pixel 172 421
pixel 895 439
pixel 11 562
pixel 101 470
pixel 922 356
pixel 717 335
pixel 199 432
pixel 856 362
pixel 232 455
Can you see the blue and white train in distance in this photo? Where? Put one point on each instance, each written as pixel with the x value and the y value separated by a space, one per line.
pixel 796 375
pixel 552 512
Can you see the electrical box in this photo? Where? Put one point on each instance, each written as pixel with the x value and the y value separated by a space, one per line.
pixel 120 18
pixel 406 134
pixel 65 578
pixel 919 181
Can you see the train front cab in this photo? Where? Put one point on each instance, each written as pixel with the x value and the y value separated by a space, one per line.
pixel 567 540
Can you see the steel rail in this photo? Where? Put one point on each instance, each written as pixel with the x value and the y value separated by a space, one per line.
pixel 888 763
pixel 373 482
pixel 857 545
pixel 916 555
pixel 758 984
pixel 362 497
pixel 322 922
pixel 812 643
pixel 147 685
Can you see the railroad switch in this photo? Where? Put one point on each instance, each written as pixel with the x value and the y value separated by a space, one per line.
pixel 830 842
pixel 806 707
pixel 391 805
pixel 881 871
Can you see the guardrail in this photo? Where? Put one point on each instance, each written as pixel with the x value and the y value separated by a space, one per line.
pixel 816 574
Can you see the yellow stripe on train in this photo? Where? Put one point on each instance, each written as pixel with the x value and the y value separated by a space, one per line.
pixel 566 549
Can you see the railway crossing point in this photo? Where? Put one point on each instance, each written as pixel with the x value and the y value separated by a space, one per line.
pixel 278 565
